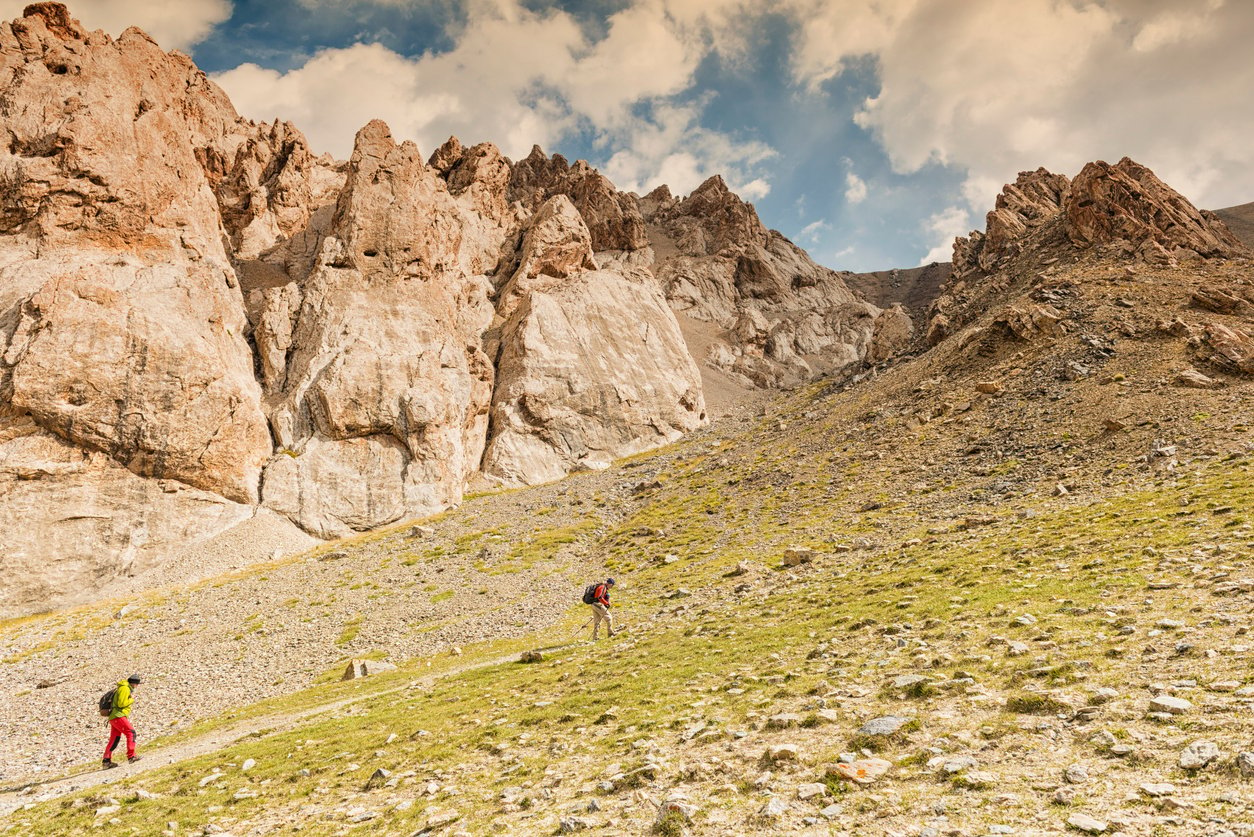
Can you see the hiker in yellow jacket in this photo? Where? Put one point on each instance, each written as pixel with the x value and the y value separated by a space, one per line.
pixel 120 720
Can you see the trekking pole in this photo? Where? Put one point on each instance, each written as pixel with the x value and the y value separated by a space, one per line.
pixel 582 627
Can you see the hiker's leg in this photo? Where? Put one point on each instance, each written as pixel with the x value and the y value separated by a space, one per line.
pixel 114 735
pixel 609 623
pixel 129 731
pixel 598 613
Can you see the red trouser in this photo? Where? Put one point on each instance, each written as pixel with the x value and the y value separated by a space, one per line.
pixel 119 727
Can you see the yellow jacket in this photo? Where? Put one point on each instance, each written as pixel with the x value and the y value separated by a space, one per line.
pixel 122 701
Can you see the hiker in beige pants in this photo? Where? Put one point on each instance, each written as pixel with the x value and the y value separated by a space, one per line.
pixel 601 609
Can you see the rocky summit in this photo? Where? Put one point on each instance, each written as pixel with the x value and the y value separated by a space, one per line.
pixel 236 344
pixel 953 551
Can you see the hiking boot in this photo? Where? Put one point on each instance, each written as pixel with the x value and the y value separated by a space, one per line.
pixel 106 764
pixel 133 759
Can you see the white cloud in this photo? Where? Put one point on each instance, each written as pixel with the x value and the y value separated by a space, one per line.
pixel 855 189
pixel 518 77
pixel 175 24
pixel 943 227
pixel 673 149
pixel 814 231
pixel 991 87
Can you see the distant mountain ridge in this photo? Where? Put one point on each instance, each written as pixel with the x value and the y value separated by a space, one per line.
pixel 1240 219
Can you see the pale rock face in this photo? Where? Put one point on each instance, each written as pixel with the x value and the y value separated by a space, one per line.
pixel 144 362
pixel 126 331
pixel 276 201
pixel 376 359
pixel 557 244
pixel 579 384
pixel 74 520
pixel 785 318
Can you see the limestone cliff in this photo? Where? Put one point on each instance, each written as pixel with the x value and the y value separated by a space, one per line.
pixel 203 322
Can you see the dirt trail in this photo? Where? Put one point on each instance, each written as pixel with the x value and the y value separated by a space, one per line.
pixel 33 792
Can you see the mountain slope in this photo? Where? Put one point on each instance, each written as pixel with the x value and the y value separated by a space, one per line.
pixel 1240 219
pixel 943 549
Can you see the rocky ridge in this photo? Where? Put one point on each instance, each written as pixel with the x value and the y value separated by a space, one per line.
pixel 1042 219
pixel 238 328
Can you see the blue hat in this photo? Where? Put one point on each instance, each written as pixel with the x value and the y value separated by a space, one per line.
pixel 609 581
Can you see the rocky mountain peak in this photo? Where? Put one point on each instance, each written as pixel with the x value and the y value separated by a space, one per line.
pixel 56 19
pixel 446 156
pixel 613 217
pixel 1121 210
pixel 723 220
pixel 1127 202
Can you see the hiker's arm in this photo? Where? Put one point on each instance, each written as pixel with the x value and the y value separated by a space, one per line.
pixel 123 700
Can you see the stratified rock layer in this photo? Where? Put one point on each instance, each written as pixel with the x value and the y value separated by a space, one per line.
pixel 1121 209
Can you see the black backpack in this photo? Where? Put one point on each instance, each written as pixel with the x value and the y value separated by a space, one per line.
pixel 106 702
pixel 590 593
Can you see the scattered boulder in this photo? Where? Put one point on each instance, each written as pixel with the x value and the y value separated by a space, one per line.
pixel 796 555
pixel 378 779
pixel 781 752
pixel 1155 790
pixel 883 727
pixel 812 790
pixel 1192 379
pixel 572 825
pixel 1087 824
pixel 1230 347
pixel 773 809
pixel 1198 755
pixel 365 668
pixel 862 771
pixel 1169 704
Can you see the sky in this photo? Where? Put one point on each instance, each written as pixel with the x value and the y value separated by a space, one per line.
pixel 871 132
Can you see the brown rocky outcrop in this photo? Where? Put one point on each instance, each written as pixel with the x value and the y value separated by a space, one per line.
pixel 1034 199
pixel 1121 209
pixel 1230 347
pixel 1128 202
